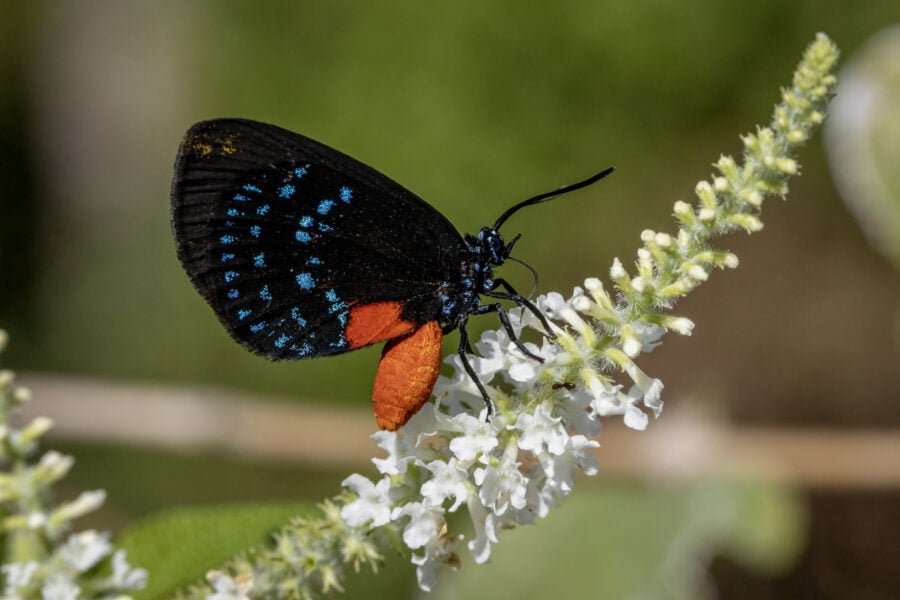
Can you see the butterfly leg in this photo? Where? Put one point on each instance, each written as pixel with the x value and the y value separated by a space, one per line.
pixel 512 294
pixel 463 347
pixel 504 319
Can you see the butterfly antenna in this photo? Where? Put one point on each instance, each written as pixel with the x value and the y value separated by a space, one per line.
pixel 550 195
pixel 534 274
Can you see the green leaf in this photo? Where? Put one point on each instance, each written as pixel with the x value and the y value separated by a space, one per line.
pixel 863 139
pixel 179 546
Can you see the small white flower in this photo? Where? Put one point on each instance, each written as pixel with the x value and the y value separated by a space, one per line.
pixel 556 308
pixel 541 429
pixel 448 480
pixel 85 503
pixel 403 447
pixel 373 505
pixel 609 400
pixel 36 519
pixel 635 418
pixel 650 388
pixel 227 588
pixel 84 550
pixel 17 575
pixel 439 552
pixel 485 532
pixel 60 587
pixel 503 485
pixel 650 336
pixel 617 271
pixel 576 412
pixel 125 576
pixel 478 437
pixel 541 494
pixel 426 523
pixel 561 470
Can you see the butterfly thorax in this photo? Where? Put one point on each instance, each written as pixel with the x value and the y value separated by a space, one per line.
pixel 461 298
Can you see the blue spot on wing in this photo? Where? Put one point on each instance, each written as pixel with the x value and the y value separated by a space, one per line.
pixel 302 236
pixel 257 327
pixel 262 210
pixel 313 260
pixel 265 294
pixel 233 293
pixel 227 256
pixel 299 172
pixel 227 239
pixel 337 304
pixel 255 230
pixel 325 206
pixel 307 222
pixel 286 191
pixel 281 341
pixel 244 313
pixel 346 194
pixel 230 276
pixel 295 314
pixel 306 281
pixel 241 198
pixel 259 261
pixel 252 188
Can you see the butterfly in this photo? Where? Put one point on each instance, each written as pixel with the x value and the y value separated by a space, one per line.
pixel 302 252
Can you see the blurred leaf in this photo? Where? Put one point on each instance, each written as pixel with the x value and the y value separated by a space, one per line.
pixel 632 542
pixel 179 546
pixel 863 139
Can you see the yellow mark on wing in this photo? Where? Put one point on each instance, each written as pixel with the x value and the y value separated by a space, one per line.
pixel 205 146
pixel 202 149
pixel 228 146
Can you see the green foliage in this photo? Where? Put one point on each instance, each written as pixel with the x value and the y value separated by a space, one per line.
pixel 179 546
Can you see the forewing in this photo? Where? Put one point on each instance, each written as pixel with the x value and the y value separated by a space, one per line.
pixel 284 237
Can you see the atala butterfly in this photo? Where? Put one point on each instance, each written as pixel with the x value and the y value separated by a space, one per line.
pixel 303 251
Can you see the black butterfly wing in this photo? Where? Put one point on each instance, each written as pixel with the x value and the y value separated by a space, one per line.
pixel 284 236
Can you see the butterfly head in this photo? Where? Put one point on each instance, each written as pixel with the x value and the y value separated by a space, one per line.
pixel 493 247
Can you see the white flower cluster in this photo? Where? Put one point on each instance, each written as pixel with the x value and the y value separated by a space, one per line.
pixel 41 561
pixel 511 469
pixel 64 575
pixel 514 468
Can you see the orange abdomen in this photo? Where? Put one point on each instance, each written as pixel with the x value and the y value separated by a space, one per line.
pixel 406 374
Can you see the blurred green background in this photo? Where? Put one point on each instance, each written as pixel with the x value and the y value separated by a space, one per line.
pixel 473 106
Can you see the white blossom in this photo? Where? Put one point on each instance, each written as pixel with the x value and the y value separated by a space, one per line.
pixel 83 550
pixel 541 429
pixel 228 588
pixel 60 587
pixel 437 552
pixel 478 437
pixel 373 504
pixel 448 480
pixel 17 575
pixel 502 485
pixel 124 575
pixel 425 523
